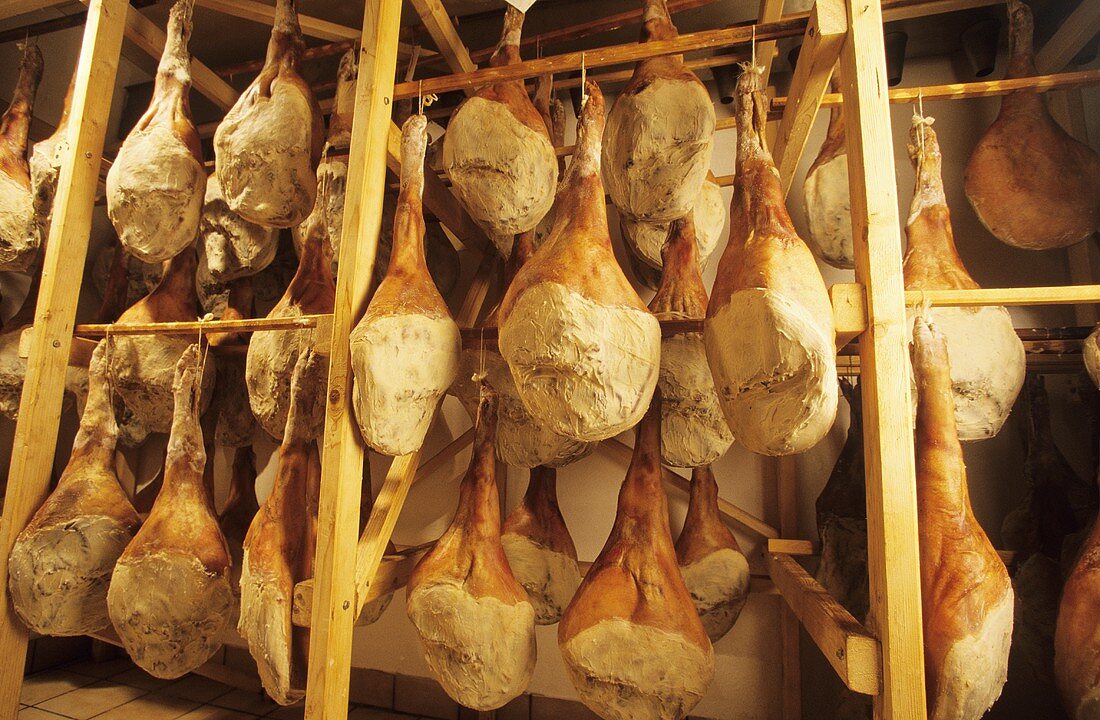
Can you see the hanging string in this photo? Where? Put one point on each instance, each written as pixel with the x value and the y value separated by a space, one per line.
pixel 920 113
pixel 584 80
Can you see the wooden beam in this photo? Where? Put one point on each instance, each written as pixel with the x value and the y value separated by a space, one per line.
pixel 334 611
pixel 11 8
pixel 853 652
pixel 1075 32
pixel 62 269
pixel 443 32
pixel 786 477
pixel 820 51
pixel 807 548
pixel 893 559
pixel 770 11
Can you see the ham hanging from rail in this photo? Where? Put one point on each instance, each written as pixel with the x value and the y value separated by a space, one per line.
pixel 155 186
pixel 539 548
pixel 693 429
pixel 631 639
pixel 46 157
pixel 497 151
pixel 966 595
pixel 987 356
pixel 61 562
pixel 267 147
pixel 769 328
pixel 20 232
pixel 660 132
pixel 715 571
pixel 278 550
pixel 236 425
pixel 583 349
pixel 170 597
pixel 1031 184
pixel 475 623
pixel 825 192
pixel 232 246
pixel 404 352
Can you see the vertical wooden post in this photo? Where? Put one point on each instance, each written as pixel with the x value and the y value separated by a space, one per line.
pixel 892 551
pixel 786 472
pixel 62 270
pixel 334 601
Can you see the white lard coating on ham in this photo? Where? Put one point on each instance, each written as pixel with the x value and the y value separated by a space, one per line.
pixel 332 175
pixel 627 671
pixel 264 620
pixel 403 365
pixel 656 149
pixel 982 656
pixel 268 369
pixel 503 172
pixel 777 399
pixel 549 577
pixel 710 212
pixel 18 225
pixel 142 370
pixel 987 367
pixel 719 587
pixel 479 668
pixel 520 440
pixel 155 192
pixel 13 369
pixel 829 213
pixel 585 370
pixel 694 431
pixel 232 246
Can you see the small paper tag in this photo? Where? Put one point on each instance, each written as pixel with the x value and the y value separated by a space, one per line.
pixel 521 5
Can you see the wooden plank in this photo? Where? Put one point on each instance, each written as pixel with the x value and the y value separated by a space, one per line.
pixel 62 270
pixel 79 356
pixel 852 651
pixel 770 11
pixel 1075 32
pixel 820 51
pixel 893 560
pixel 1058 295
pixel 905 9
pixel 208 327
pixel 333 613
pixel 439 26
pixel 786 471
pixel 393 573
pixel 787 546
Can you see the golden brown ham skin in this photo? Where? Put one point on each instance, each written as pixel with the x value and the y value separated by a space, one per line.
pixel 21 227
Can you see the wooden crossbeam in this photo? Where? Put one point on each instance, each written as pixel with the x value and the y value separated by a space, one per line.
pixel 1075 32
pixel 820 51
pixel 807 548
pixel 786 482
pixel 439 26
pixel 11 8
pixel 770 11
pixel 851 650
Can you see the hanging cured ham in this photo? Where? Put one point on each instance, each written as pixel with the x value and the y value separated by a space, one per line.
pixel 272 354
pixel 540 549
pixel 1090 351
pixel 715 571
pixel 1031 184
pixel 267 147
pixel 232 246
pixel 236 424
pixel 583 349
pixel 521 440
pixel 170 598
pixel 987 356
pixel 46 157
pixel 241 505
pixel 20 233
pixel 155 186
pixel 966 595
pixel 61 563
pixel 828 206
pixel 693 429
pixel 404 352
pixel 143 367
pixel 278 551
pixel 660 132
pixel 497 151
pixel 475 623
pixel 769 327
pixel 631 639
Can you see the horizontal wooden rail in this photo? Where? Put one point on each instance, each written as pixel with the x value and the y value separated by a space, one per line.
pixel 208 327
pixel 808 548
pixel 853 652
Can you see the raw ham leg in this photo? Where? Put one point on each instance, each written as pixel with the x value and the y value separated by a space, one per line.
pixel 20 234
pixel 1031 184
pixel 404 352
pixel 232 246
pixel 631 638
pixel 583 349
pixel 156 184
pixel 278 551
pixel 540 549
pixel 769 327
pixel 828 206
pixel 966 595
pixel 1090 351
pixel 497 151
pixel 987 356
pixel 143 367
pixel 475 623
pixel 170 598
pixel 660 132
pixel 61 563
pixel 46 157
pixel 693 430
pixel 268 145
pixel 241 505
pixel 715 571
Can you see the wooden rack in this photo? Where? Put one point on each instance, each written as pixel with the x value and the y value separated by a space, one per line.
pixel 883 658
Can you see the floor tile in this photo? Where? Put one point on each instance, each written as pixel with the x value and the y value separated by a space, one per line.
pixel 101 669
pixel 212 712
pixel 195 687
pixel 31 713
pixel 246 702
pixel 87 702
pixel 150 707
pixel 136 677
pixel 42 686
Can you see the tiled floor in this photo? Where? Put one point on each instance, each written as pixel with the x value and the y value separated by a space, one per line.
pixel 117 690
